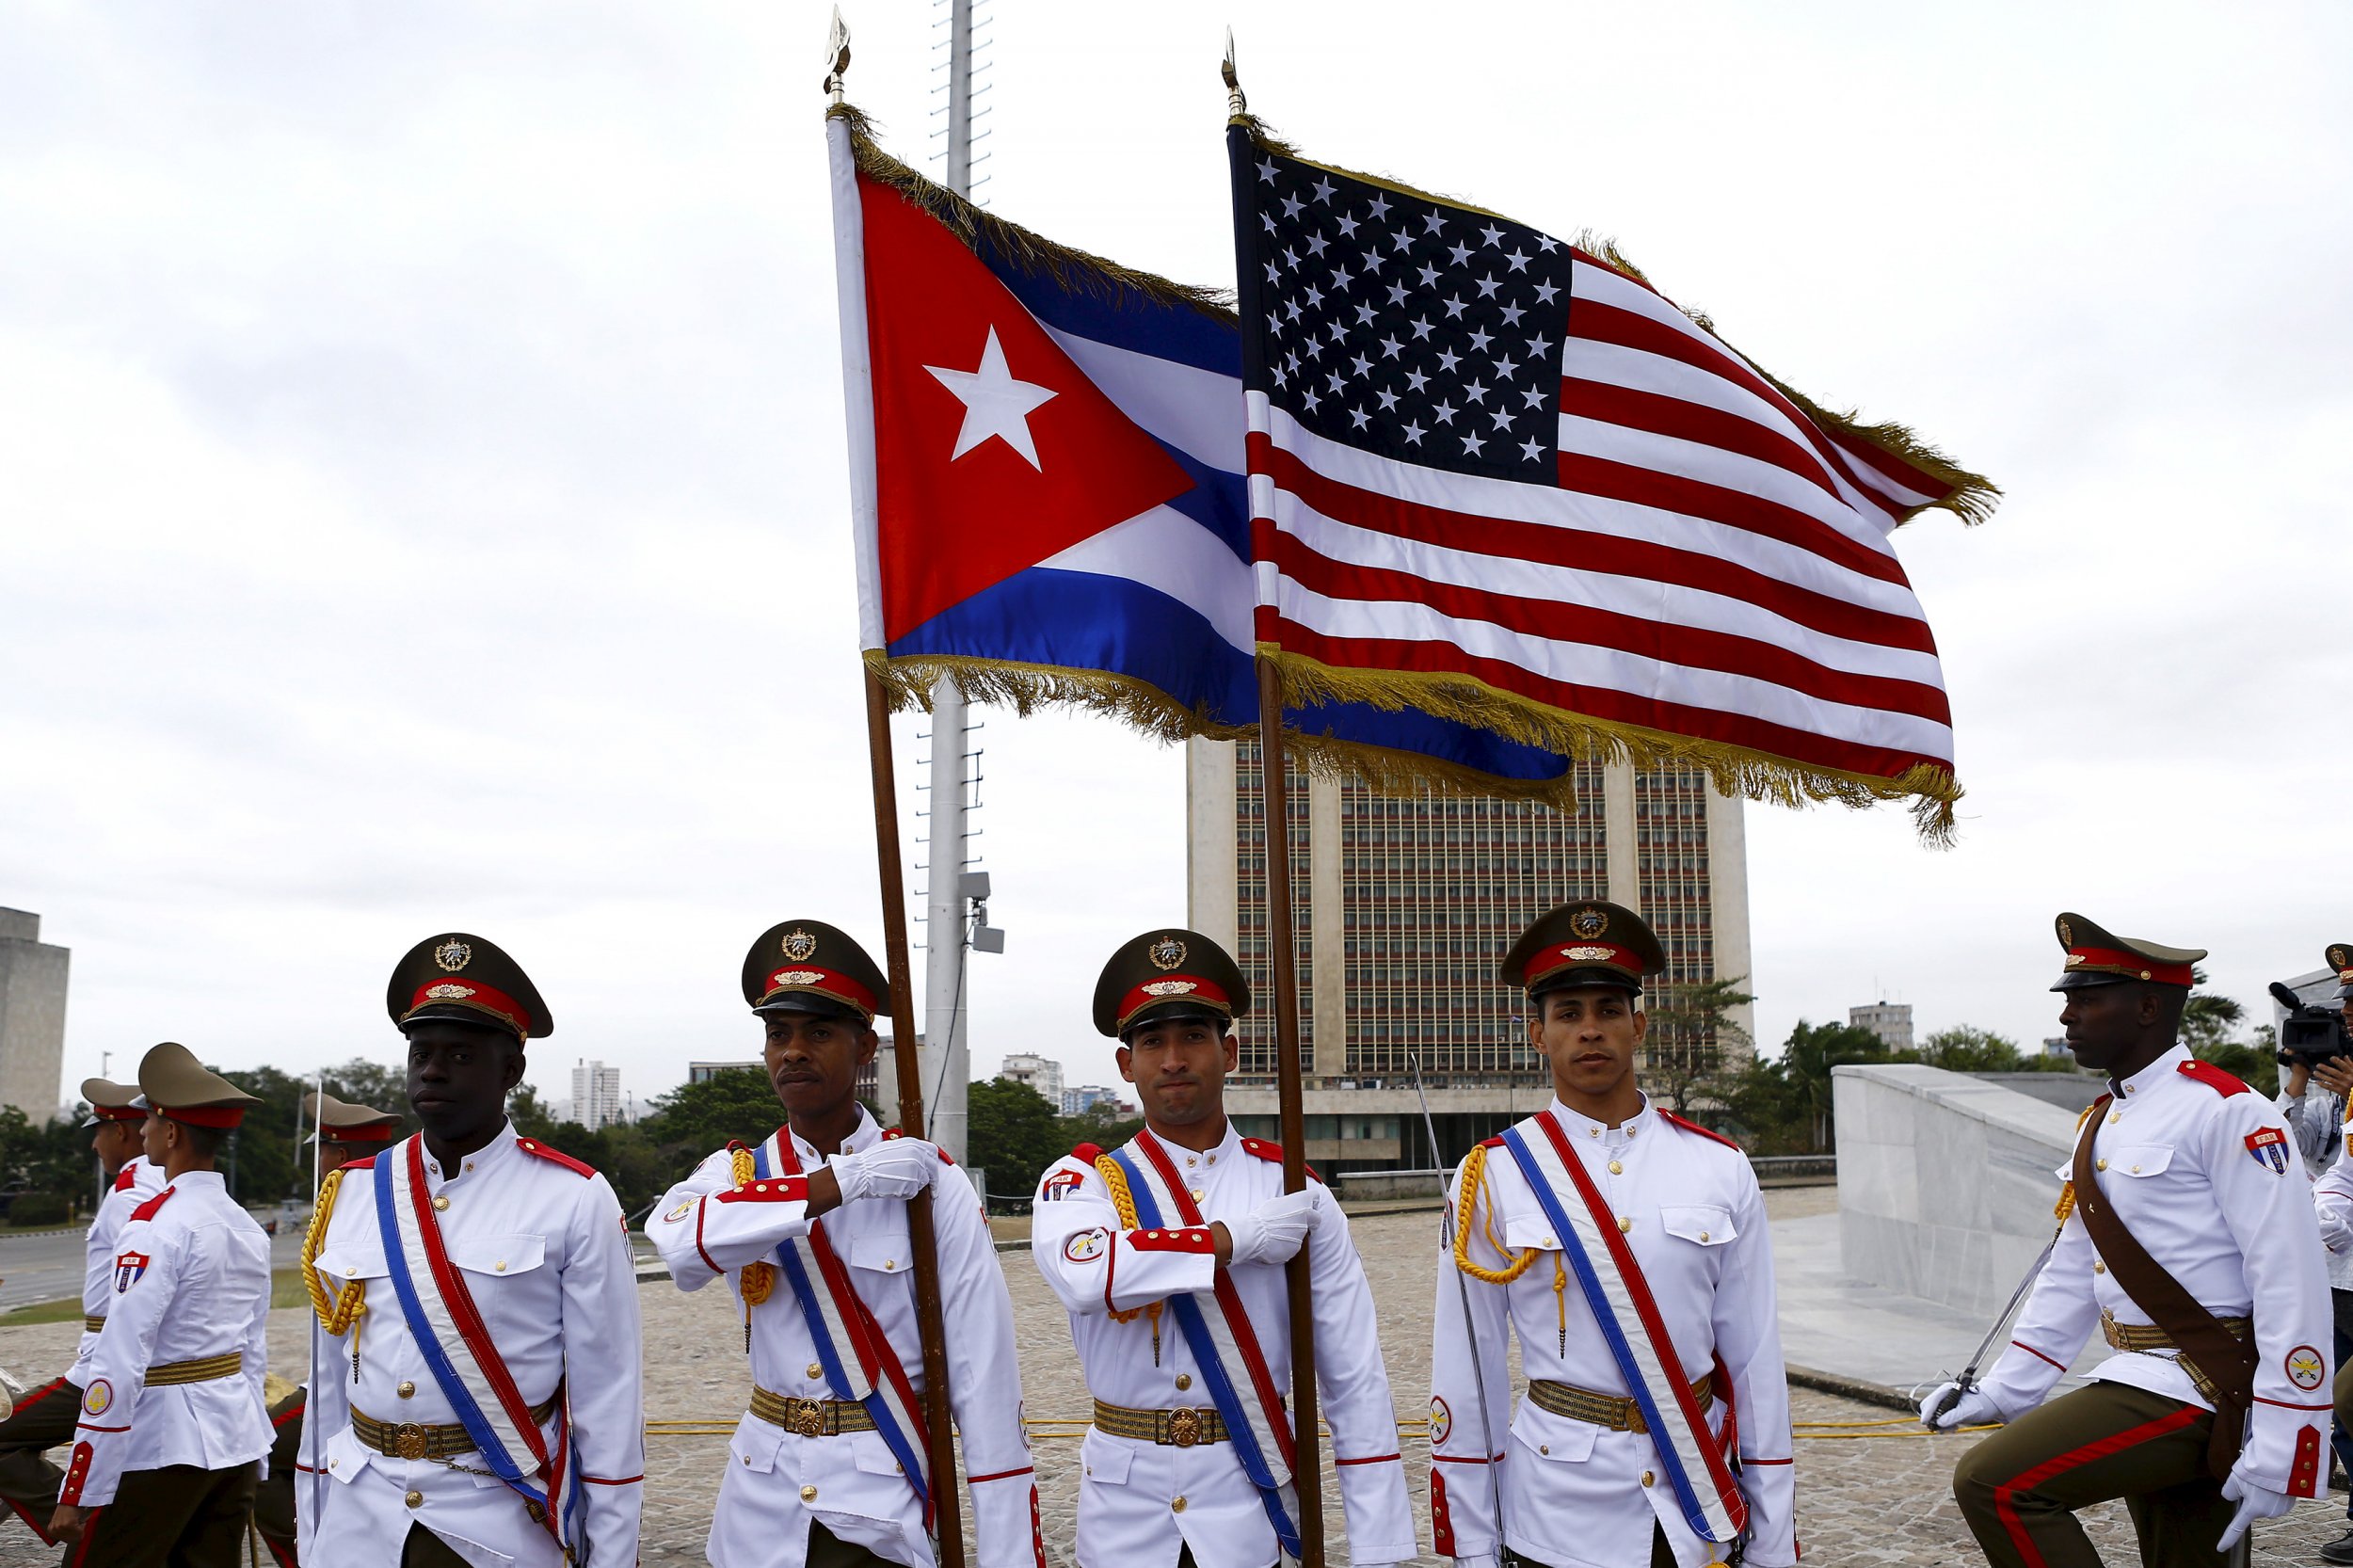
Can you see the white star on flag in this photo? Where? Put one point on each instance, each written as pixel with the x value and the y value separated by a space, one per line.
pixel 994 403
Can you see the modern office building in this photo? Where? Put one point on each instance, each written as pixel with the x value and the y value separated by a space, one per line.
pixel 1086 1097
pixel 1404 909
pixel 596 1095
pixel 1890 1020
pixel 1040 1073
pixel 32 1017
pixel 703 1072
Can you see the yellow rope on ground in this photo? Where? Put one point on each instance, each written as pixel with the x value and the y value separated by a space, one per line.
pixel 338 1313
pixel 1474 1170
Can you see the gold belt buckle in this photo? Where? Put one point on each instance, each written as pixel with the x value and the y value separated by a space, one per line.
pixel 804 1417
pixel 1184 1427
pixel 410 1441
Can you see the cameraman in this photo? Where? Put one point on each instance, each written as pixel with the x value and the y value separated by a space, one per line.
pixel 2317 1120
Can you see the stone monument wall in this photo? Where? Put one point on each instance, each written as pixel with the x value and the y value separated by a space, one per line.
pixel 32 1017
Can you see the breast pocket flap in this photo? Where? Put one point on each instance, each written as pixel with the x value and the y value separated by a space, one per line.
pixel 1704 1222
pixel 500 1256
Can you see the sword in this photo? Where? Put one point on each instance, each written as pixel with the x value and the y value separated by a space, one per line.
pixel 310 1434
pixel 1967 1381
pixel 1470 1326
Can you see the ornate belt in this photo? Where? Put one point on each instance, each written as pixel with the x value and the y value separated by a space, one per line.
pixel 202 1369
pixel 810 1418
pixel 2149 1337
pixel 1606 1410
pixel 94 1325
pixel 424 1439
pixel 1170 1429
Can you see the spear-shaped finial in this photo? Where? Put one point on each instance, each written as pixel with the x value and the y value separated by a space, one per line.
pixel 837 55
pixel 1236 105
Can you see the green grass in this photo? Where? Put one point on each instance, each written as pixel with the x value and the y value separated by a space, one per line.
pixel 285 1289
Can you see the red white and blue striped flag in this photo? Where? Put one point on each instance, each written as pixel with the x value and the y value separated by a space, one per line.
pixel 1497 478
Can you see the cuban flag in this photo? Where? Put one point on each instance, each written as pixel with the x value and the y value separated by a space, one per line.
pixel 1049 484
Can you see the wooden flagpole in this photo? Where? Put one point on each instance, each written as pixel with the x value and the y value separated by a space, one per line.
pixel 923 1253
pixel 1282 948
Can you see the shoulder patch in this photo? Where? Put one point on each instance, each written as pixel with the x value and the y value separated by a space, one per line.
pixel 1271 1152
pixel 153 1206
pixel 533 1145
pixel 126 1177
pixel 1493 1143
pixel 1702 1131
pixel 1087 1153
pixel 2213 1078
pixel 367 1164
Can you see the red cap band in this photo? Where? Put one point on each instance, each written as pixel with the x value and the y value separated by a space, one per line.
pixel 824 982
pixel 469 993
pixel 204 1115
pixel 371 1132
pixel 117 1113
pixel 1582 955
pixel 2127 965
pixel 1175 987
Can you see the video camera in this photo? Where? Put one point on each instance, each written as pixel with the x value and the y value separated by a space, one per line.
pixel 2311 1032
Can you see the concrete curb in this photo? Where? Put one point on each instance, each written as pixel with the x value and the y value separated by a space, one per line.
pixel 1850 1388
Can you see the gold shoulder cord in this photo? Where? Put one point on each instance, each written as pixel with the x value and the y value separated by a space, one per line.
pixel 1125 1202
pixel 344 1311
pixel 758 1279
pixel 2066 1204
pixel 1474 1177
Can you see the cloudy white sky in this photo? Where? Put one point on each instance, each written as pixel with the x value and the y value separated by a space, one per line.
pixel 421 497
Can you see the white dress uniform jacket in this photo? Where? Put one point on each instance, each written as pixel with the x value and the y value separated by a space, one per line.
pixel 191 1281
pixel 777 1481
pixel 1141 1503
pixel 137 1181
pixel 2204 1174
pixel 1576 1494
pixel 541 1242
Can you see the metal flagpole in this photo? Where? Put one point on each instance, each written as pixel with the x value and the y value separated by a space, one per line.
pixel 1461 1286
pixel 310 1387
pixel 923 1245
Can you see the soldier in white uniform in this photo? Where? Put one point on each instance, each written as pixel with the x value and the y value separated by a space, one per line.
pixel 1658 1435
pixel 172 1423
pixel 44 1417
pixel 2201 1178
pixel 819 1473
pixel 1172 1475
pixel 503 1312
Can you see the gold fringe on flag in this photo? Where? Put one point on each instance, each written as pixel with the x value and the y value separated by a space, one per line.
pixel 1968 496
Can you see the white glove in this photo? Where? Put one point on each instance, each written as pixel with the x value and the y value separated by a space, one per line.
pixel 1275 1230
pixel 894 1168
pixel 2255 1501
pixel 1974 1408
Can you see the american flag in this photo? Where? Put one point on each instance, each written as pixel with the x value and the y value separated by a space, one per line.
pixel 1496 477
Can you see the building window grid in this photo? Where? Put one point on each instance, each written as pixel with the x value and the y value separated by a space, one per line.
pixel 1672 864
pixel 1255 1032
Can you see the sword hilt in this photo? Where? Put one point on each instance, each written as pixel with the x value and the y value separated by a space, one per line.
pixel 1965 1384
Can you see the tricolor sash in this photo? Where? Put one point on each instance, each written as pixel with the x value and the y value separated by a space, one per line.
pixel 1217 1330
pixel 861 1366
pixel 1605 1270
pixel 439 1308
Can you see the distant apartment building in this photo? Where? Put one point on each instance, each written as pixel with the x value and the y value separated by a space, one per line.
pixel 1040 1073
pixel 2056 1046
pixel 1890 1020
pixel 32 1017
pixel 703 1072
pixel 1404 909
pixel 1086 1097
pixel 596 1095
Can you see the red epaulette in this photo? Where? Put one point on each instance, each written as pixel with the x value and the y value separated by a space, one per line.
pixel 125 1178
pixel 1087 1154
pixel 153 1206
pixel 1272 1153
pixel 2213 1078
pixel 1702 1131
pixel 1493 1143
pixel 367 1164
pixel 532 1145
pixel 945 1157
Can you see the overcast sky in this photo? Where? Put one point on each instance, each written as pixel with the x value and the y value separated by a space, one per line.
pixel 421 497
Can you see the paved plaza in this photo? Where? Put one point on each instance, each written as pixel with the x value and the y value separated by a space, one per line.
pixel 1872 1489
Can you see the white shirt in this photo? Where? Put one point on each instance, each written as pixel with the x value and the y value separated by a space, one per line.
pixel 706 1228
pixel 544 1251
pixel 1575 1494
pixel 2316 1119
pixel 137 1181
pixel 1130 1495
pixel 2181 1153
pixel 191 1281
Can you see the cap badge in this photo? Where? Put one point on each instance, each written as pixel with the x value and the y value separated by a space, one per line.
pixel 1166 953
pixel 795 977
pixel 800 946
pixel 1589 923
pixel 1589 955
pixel 2073 959
pixel 2337 957
pixel 453 956
pixel 1169 987
pixel 447 992
pixel 2066 933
